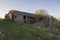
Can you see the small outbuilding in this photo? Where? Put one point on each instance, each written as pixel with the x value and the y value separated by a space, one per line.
pixel 19 16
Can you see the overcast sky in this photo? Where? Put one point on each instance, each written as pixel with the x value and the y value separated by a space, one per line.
pixel 51 6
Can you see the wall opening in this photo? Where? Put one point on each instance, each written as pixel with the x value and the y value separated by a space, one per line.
pixel 12 17
pixel 15 16
pixel 24 18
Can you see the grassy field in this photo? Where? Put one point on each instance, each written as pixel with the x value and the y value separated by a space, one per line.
pixel 58 18
pixel 17 31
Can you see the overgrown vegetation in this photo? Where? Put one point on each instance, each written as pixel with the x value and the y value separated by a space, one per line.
pixel 16 31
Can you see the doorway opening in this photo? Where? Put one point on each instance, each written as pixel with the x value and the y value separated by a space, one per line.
pixel 12 17
pixel 24 18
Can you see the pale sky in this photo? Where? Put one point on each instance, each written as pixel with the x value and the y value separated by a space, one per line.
pixel 51 6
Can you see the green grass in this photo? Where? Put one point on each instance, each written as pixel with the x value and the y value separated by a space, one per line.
pixel 17 31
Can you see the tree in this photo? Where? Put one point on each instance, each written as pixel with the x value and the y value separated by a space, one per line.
pixel 41 12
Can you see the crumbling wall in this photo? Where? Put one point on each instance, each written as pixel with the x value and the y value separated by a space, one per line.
pixel 9 15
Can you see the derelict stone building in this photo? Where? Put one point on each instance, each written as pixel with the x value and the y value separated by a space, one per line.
pixel 19 16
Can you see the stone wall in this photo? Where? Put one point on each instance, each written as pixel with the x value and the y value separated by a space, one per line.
pixel 18 18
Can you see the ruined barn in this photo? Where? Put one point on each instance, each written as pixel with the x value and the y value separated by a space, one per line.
pixel 19 16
